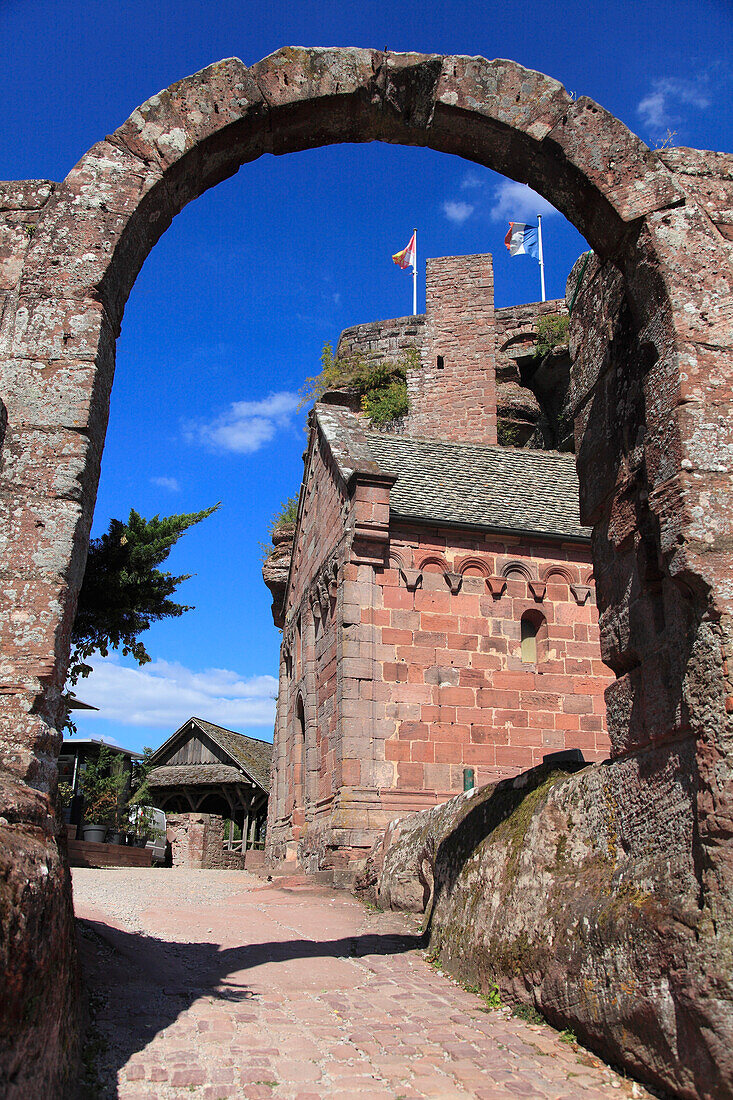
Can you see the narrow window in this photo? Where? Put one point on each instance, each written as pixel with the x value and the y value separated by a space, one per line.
pixel 441 362
pixel 534 628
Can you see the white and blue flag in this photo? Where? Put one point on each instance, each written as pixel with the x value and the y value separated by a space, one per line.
pixel 522 240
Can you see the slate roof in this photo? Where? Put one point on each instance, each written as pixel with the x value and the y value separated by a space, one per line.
pixel 464 484
pixel 252 755
pixel 193 775
pixel 255 756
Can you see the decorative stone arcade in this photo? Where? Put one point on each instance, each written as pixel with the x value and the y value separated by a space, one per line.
pixel 652 396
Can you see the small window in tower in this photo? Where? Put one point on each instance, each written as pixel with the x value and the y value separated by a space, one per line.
pixel 441 362
pixel 534 630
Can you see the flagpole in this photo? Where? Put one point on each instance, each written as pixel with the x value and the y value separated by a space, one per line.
pixel 414 279
pixel 542 259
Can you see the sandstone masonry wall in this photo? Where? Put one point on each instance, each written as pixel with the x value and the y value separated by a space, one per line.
pixel 197 841
pixel 453 396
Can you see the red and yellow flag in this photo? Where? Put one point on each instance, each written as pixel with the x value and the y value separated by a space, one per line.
pixel 406 257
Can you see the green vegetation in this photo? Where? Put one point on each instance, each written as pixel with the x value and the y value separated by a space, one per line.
pixel 102 784
pixel 568 1036
pixel 124 591
pixel 529 1014
pixel 551 333
pixel 507 433
pixel 381 383
pixel 288 513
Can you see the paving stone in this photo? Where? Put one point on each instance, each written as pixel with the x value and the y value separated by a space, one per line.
pixel 415 1035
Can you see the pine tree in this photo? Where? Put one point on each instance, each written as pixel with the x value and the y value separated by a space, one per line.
pixel 123 590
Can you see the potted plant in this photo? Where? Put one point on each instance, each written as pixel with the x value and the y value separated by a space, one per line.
pixel 101 788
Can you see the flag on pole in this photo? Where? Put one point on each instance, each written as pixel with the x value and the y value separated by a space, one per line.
pixel 522 240
pixel 406 257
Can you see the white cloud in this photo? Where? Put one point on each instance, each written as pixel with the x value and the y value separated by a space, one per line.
pixel 472 181
pixel 170 483
pixel 656 109
pixel 246 426
pixel 457 212
pixel 515 202
pixel 163 694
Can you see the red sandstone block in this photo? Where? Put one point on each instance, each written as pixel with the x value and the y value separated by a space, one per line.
pixel 462 641
pixel 513 756
pixel 484 735
pixel 420 656
pixel 444 731
pixel 429 638
pixel 577 704
pixel 480 754
pixel 532 737
pixel 413 693
pixel 457 696
pixel 413 731
pixel 593 723
pixel 392 636
pixel 589 686
pixel 561 685
pixel 472 677
pixel 524 681
pixel 581 632
pixel 397 750
pixel 424 751
pixel 511 717
pixel 388 578
pixel 432 601
pixel 416 674
pixel 394 673
pixel 456 658
pixel 539 700
pixel 492 662
pixel 410 775
pixel 492 697
pixel 448 752
pixel 429 712
pixel 405 620
pixel 398 598
pixel 429 620
pixel 570 613
pixel 567 721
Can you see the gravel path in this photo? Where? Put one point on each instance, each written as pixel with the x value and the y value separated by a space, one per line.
pixel 215 984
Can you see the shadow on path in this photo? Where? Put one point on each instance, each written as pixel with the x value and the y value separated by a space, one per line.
pixel 138 985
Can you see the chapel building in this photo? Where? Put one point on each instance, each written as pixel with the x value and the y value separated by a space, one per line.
pixel 437 603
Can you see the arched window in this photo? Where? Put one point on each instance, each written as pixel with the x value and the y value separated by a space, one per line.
pixel 534 634
pixel 299 752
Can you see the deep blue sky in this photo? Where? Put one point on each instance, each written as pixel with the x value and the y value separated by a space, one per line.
pixel 233 306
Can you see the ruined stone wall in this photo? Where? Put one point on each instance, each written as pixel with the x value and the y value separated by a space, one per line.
pixel 39 1006
pixel 197 841
pixel 379 340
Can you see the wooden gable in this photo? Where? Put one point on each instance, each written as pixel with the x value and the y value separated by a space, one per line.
pixel 192 746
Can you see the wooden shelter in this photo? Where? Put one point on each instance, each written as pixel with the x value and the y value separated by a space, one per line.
pixel 204 768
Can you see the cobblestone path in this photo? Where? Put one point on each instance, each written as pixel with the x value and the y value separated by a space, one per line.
pixel 215 984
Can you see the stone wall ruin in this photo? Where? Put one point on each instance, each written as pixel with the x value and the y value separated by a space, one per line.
pixel 651 390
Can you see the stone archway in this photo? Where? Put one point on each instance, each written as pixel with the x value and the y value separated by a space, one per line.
pixel 651 385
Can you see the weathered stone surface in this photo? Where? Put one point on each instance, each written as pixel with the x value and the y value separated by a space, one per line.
pixel 39 1011
pixel 276 567
pixel 575 898
pixel 656 372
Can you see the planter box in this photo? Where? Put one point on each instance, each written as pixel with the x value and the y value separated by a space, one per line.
pixel 83 853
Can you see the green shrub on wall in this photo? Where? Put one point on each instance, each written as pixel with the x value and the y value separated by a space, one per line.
pixel 551 333
pixel 381 383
